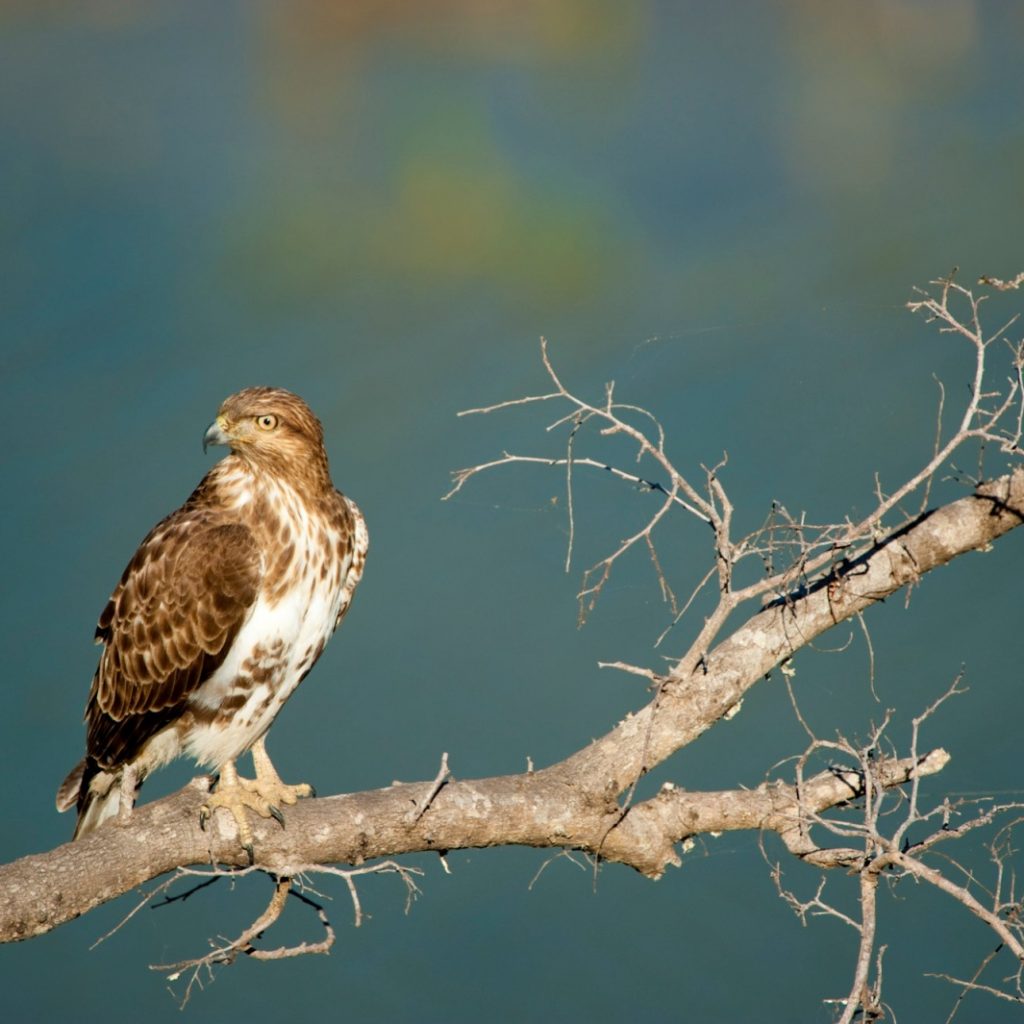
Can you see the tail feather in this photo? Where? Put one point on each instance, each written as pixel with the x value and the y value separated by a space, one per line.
pixel 97 794
pixel 67 795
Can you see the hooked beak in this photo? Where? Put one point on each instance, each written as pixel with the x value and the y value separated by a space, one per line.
pixel 216 434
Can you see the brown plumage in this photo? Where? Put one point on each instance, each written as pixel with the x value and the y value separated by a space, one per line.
pixel 222 611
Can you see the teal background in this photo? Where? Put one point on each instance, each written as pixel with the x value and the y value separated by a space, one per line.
pixel 382 206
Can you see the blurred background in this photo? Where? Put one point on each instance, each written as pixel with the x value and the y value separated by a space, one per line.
pixel 383 206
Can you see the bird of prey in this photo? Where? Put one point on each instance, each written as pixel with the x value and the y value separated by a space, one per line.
pixel 220 614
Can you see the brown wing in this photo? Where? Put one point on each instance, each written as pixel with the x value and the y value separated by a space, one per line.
pixel 167 627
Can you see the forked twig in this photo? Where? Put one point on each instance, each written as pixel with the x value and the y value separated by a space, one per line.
pixel 224 951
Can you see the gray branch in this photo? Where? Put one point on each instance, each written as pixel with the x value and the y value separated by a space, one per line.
pixel 573 804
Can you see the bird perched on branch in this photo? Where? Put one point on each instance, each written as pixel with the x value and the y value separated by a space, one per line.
pixel 220 614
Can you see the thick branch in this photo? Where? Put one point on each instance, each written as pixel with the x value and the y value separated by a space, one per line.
pixel 39 892
pixel 571 804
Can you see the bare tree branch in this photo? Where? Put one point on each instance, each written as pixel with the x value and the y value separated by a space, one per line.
pixel 567 805
pixel 856 807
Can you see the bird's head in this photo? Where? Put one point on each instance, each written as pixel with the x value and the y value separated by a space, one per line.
pixel 272 429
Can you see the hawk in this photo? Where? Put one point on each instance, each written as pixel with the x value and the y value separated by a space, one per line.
pixel 220 614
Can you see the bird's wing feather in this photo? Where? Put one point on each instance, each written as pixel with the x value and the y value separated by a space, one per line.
pixel 168 625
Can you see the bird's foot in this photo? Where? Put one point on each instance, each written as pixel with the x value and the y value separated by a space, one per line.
pixel 270 793
pixel 263 795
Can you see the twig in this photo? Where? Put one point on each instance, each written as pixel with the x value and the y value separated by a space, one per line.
pixel 995 282
pixel 578 420
pixel 417 812
pixel 568 855
pixel 229 950
pixel 226 951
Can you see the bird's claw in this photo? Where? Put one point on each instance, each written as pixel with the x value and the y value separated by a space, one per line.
pixel 262 796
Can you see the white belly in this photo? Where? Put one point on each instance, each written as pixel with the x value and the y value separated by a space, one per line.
pixel 277 645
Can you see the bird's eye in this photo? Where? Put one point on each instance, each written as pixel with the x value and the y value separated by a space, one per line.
pixel 266 422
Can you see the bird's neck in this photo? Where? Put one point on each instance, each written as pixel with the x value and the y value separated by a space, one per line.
pixel 238 481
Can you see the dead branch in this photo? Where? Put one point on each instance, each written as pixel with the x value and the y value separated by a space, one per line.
pixel 567 805
pixel 1003 286
pixel 225 951
pixel 875 852
pixel 228 950
pixel 815 577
